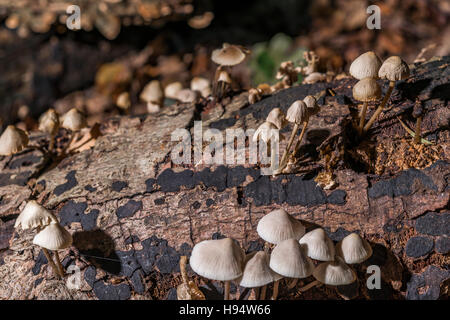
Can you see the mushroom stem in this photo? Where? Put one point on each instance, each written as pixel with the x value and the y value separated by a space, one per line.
pixel 51 144
pixel 292 284
pixel 226 295
pixel 288 147
pixel 73 136
pixel 257 293
pixel 297 145
pixel 309 286
pixel 417 137
pixel 262 295
pixel 275 289
pixel 51 262
pixel 58 263
pixel 362 117
pixel 380 107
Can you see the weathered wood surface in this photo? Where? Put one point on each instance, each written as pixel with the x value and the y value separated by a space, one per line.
pixel 132 213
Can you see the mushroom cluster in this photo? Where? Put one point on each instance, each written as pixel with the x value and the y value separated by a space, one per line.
pixel 288 253
pixel 50 234
pixel 367 68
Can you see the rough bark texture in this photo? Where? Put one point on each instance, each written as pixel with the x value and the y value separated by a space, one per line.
pixel 132 213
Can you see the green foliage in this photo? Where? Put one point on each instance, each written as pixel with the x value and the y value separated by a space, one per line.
pixel 267 56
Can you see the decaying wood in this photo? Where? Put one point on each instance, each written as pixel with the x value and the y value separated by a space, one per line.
pixel 132 213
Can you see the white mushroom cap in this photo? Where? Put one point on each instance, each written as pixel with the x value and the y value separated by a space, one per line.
pixel 228 55
pixel 278 226
pixel 123 101
pixel 188 95
pixel 289 260
pixel 353 249
pixel 311 103
pixel 318 245
pixel 221 259
pixel 73 120
pixel 334 273
pixel 365 66
pixel 257 272
pixel 366 90
pixel 12 140
pixel 172 89
pixel 49 121
pixel 277 117
pixel 152 92
pixel 34 215
pixel 201 84
pixel 53 237
pixel 265 131
pixel 224 77
pixel 297 112
pixel 393 69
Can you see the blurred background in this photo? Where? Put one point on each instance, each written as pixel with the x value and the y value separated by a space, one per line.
pixel 123 44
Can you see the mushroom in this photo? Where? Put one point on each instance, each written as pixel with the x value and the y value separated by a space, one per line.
pixel 12 140
pixel 287 73
pixel 36 216
pixel 333 273
pixel 221 260
pixel 366 90
pixel 188 96
pixel 288 259
pixel 296 114
pixel 392 69
pixel 223 84
pixel 366 66
pixel 73 120
pixel 202 85
pixel 417 114
pixel 257 273
pixel 318 245
pixel 278 226
pixel 172 89
pixel 353 249
pixel 54 237
pixel 49 123
pixel 153 95
pixel 123 101
pixel 266 132
pixel 277 118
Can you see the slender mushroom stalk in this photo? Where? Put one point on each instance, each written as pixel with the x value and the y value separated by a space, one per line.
pixel 392 69
pixel 226 294
pixel 300 138
pixel 309 286
pixel 50 261
pixel 366 90
pixel 59 265
pixel 292 284
pixel 276 286
pixel 418 114
pixel 262 295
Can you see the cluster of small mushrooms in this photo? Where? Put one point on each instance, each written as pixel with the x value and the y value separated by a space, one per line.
pixel 50 234
pixel 14 140
pixel 289 252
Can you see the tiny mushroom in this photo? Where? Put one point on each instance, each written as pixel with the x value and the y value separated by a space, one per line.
pixel 12 140
pixel 366 66
pixel 73 120
pixel 333 273
pixel 49 123
pixel 221 260
pixel 223 84
pixel 188 96
pixel 267 132
pixel 257 273
pixel 366 90
pixel 353 249
pixel 123 101
pixel 277 118
pixel 153 95
pixel 172 89
pixel 318 245
pixel 392 69
pixel 54 237
pixel 202 85
pixel 278 226
pixel 289 259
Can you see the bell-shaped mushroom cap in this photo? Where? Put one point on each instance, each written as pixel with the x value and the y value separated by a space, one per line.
pixel 34 215
pixel 334 273
pixel 224 77
pixel 202 85
pixel 188 95
pixel 228 55
pixel 318 245
pixel 13 140
pixel 277 117
pixel 257 272
pixel 278 226
pixel 152 92
pixel 354 249
pixel 289 260
pixel 265 132
pixel 73 120
pixel 123 101
pixel 297 112
pixel 221 259
pixel 311 103
pixel 366 90
pixel 49 121
pixel 53 237
pixel 172 89
pixel 393 69
pixel 366 66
